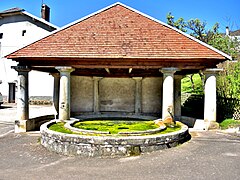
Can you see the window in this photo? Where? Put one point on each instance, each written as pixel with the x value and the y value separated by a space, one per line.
pixel 1 35
pixel 24 32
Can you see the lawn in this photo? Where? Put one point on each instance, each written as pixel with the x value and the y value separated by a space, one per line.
pixel 230 123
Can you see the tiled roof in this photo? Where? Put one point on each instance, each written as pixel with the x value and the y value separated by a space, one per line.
pixel 115 32
pixel 16 10
pixel 12 10
pixel 235 33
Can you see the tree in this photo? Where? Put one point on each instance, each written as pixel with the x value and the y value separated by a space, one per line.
pixel 229 80
pixel 212 36
pixel 225 44
pixel 179 24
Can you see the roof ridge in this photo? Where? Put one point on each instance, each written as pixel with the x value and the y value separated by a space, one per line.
pixel 145 16
pixel 235 33
pixel 179 31
pixel 17 9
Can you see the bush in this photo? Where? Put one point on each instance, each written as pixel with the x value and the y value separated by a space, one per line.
pixel 229 123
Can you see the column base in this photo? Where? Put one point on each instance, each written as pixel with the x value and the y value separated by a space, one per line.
pixel 20 126
pixel 211 125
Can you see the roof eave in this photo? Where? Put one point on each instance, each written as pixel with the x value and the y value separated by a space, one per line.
pixel 40 20
pixel 112 57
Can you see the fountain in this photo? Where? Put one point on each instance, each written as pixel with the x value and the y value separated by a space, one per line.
pixel 94 143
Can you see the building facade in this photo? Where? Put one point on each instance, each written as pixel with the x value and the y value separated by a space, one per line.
pixel 19 28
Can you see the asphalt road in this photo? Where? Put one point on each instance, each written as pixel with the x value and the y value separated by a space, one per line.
pixel 208 155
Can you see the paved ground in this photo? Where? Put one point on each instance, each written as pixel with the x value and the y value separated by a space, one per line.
pixel 208 155
pixel 8 112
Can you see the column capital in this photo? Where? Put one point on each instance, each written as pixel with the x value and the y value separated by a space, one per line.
pixel 137 78
pixel 21 68
pixel 95 78
pixel 212 71
pixel 65 69
pixel 169 70
pixel 55 75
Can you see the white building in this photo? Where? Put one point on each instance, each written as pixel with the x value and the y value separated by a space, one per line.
pixel 19 28
pixel 234 35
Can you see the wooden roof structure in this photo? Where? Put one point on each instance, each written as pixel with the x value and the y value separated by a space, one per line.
pixel 119 41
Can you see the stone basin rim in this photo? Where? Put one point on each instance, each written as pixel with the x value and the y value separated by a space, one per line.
pixel 45 129
pixel 69 125
pixel 109 146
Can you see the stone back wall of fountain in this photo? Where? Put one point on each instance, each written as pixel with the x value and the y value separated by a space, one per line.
pixel 115 94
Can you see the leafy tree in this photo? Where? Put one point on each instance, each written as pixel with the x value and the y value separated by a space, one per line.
pixel 225 44
pixel 211 36
pixel 179 24
pixel 229 79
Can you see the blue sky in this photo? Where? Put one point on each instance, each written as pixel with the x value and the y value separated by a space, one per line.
pixel 226 12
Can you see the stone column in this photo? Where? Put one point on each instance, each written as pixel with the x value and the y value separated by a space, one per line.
pixel 168 91
pixel 96 94
pixel 22 99
pixel 210 99
pixel 138 94
pixel 56 85
pixel 177 95
pixel 64 95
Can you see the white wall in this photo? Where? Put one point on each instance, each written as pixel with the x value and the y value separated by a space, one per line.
pixel 12 29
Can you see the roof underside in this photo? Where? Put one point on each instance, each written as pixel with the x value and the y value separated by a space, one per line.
pixel 118 38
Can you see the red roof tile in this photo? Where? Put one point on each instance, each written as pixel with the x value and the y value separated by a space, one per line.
pixel 116 32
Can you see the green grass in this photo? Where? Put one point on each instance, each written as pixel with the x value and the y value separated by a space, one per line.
pixel 177 127
pixel 229 123
pixel 59 127
pixel 186 85
pixel 116 126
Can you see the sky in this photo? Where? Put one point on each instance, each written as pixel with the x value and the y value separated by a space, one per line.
pixel 63 12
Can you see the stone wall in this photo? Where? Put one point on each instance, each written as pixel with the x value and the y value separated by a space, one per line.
pixel 95 146
pixel 115 95
pixel 81 94
pixel 152 95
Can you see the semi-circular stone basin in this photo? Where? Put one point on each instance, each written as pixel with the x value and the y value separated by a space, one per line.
pixel 70 125
pixel 95 145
